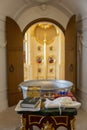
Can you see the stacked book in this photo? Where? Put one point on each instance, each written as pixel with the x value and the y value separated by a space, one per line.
pixel 30 102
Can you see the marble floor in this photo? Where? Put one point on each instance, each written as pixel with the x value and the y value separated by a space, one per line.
pixel 10 120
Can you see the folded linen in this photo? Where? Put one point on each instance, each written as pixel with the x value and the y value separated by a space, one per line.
pixel 62 102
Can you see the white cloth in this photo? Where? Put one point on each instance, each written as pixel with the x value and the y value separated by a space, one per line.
pixel 62 102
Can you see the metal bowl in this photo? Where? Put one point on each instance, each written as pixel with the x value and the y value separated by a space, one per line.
pixel 46 86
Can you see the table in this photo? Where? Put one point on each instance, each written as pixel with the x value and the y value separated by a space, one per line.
pixel 47 119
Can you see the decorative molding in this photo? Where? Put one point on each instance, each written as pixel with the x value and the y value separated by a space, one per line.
pixel 43 7
pixel 81 40
pixel 82 19
pixel 64 7
pixel 81 30
pixel 82 25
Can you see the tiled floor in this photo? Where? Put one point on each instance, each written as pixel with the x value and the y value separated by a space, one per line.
pixel 10 120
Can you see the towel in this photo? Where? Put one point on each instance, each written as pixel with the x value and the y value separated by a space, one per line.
pixel 66 102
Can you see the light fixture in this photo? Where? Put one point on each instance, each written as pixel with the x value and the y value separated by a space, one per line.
pixel 45 33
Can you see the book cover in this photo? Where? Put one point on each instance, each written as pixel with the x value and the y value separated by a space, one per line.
pixel 19 108
pixel 30 102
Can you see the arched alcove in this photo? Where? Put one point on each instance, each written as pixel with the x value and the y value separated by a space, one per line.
pixel 44 55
